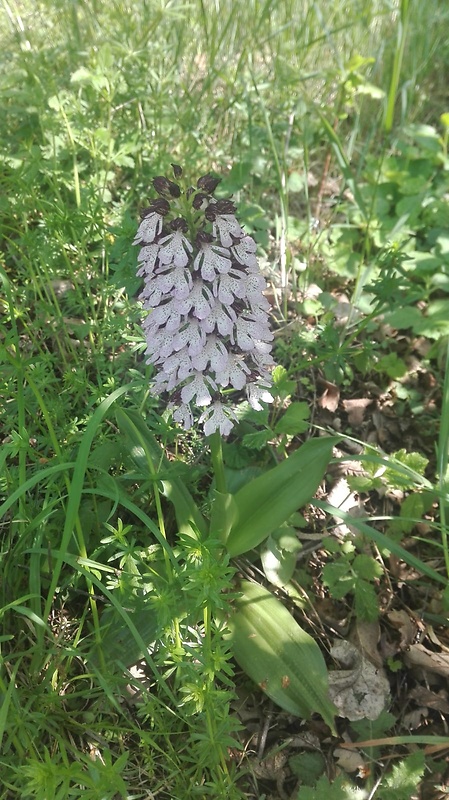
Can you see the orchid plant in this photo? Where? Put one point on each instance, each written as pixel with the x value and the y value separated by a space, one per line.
pixel 208 338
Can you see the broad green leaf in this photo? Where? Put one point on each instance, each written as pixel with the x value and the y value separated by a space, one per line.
pixel 257 440
pixel 278 565
pixel 391 365
pixel 278 654
pixel 307 766
pixel 366 604
pixel 282 384
pixel 266 502
pixel 142 440
pixel 295 182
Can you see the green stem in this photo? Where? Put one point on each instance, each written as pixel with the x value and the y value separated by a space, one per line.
pixel 161 523
pixel 216 451
pixel 211 722
pixel 443 458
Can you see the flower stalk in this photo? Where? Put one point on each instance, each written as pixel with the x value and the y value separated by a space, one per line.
pixel 216 452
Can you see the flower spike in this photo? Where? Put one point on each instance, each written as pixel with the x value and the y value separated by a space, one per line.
pixel 206 326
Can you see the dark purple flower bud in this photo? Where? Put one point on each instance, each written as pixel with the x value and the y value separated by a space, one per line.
pixel 179 224
pixel 160 206
pixel 200 200
pixel 164 186
pixel 211 212
pixel 208 183
pixel 177 170
pixel 203 237
pixel 225 207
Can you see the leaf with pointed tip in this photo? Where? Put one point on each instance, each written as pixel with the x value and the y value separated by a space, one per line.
pixel 263 504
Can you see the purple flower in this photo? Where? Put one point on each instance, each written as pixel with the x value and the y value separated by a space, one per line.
pixel 207 326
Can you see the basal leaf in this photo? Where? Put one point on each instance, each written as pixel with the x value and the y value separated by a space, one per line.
pixel 282 658
pixel 266 502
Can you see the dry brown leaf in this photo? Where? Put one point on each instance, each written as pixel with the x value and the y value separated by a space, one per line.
pixel 343 498
pixel 414 719
pixel 421 345
pixel 368 635
pixel 361 691
pixel 435 640
pixel 330 397
pixel 387 428
pixel 401 571
pixel 424 697
pixel 344 311
pixel 349 760
pixel 311 292
pixel 419 656
pixel 355 410
pixel 406 626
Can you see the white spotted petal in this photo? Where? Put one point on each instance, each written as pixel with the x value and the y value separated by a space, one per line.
pixel 212 259
pixel 197 389
pixel 218 418
pixel 175 249
pixel 226 228
pixel 257 392
pixel 149 228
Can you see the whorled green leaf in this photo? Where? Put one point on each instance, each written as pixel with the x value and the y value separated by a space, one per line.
pixel 188 516
pixel 265 503
pixel 282 658
pixel 294 420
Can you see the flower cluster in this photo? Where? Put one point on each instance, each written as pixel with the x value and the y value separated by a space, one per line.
pixel 207 331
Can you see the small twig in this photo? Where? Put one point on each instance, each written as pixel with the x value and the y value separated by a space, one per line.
pixel 264 733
